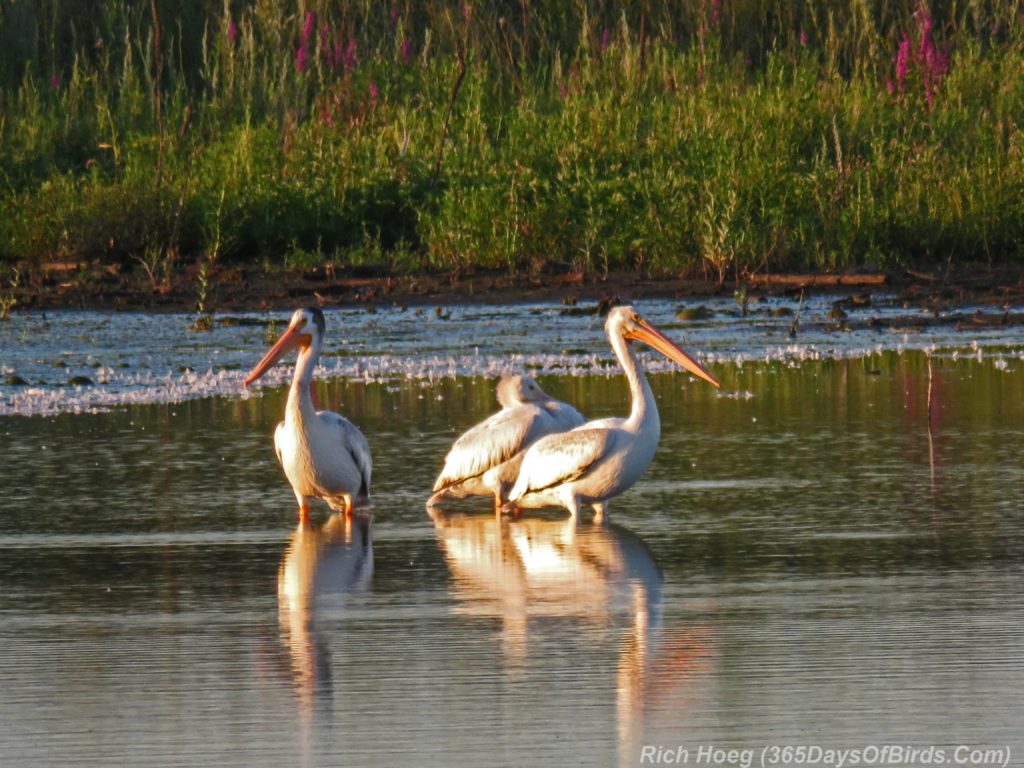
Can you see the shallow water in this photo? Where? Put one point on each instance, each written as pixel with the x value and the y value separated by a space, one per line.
pixel 806 562
pixel 134 358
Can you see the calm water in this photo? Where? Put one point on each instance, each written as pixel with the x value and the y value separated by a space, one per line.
pixel 805 562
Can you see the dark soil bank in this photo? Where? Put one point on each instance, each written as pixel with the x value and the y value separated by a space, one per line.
pixel 234 289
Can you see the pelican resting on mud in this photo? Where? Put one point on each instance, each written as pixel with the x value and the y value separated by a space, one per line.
pixel 323 454
pixel 598 460
pixel 485 460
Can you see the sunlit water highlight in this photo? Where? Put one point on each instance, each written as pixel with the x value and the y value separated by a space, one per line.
pixel 824 555
pixel 152 358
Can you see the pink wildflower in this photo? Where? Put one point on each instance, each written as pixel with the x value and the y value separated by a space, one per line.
pixel 350 54
pixel 406 50
pixel 232 31
pixel 307 27
pixel 55 81
pixel 932 63
pixel 902 63
pixel 606 39
pixel 335 54
pixel 302 54
pixel 803 37
pixel 374 93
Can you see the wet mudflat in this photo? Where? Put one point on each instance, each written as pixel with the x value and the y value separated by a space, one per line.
pixel 811 559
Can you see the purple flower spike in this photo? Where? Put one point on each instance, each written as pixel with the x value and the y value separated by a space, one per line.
pixel 803 37
pixel 302 54
pixel 606 39
pixel 337 55
pixel 926 25
pixel 902 63
pixel 374 92
pixel 232 31
pixel 350 54
pixel 406 50
pixel 55 81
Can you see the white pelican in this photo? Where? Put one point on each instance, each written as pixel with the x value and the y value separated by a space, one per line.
pixel 485 460
pixel 600 459
pixel 323 455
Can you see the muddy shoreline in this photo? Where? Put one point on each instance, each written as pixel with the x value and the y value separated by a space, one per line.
pixel 239 290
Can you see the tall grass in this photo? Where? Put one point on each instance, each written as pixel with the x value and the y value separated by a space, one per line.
pixel 699 137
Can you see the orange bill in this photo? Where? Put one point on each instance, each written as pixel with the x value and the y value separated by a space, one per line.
pixel 289 340
pixel 657 340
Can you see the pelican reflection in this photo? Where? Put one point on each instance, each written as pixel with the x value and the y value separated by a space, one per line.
pixel 603 578
pixel 321 562
pixel 517 570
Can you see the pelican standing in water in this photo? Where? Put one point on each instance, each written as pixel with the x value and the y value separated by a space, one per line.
pixel 485 460
pixel 600 459
pixel 323 454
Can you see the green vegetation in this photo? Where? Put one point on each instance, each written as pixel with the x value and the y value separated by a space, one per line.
pixel 688 137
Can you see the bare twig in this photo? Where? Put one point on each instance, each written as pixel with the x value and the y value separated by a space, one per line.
pixel 931 441
pixel 929 404
pixel 460 75
pixel 796 319
pixel 808 280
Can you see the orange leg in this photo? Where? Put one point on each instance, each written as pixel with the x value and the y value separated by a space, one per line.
pixel 304 513
pixel 347 503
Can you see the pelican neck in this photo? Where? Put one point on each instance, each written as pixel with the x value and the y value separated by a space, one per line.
pixel 300 398
pixel 643 412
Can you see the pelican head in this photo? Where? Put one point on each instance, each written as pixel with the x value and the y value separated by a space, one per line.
pixel 519 389
pixel 626 323
pixel 305 330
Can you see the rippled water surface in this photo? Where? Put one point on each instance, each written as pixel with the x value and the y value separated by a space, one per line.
pixel 810 560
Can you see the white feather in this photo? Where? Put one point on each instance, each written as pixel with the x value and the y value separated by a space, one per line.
pixel 560 458
pixel 485 460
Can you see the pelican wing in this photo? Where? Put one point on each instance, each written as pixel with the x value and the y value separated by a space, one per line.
pixel 354 441
pixel 277 443
pixel 492 442
pixel 561 458
pixel 565 416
